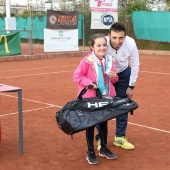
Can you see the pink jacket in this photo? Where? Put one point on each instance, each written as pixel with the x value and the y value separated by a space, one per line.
pixel 85 74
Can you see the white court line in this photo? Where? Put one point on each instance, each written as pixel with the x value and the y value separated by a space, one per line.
pixel 35 101
pixel 72 70
pixel 148 127
pixel 37 74
pixel 8 114
pixel 34 68
pixel 154 72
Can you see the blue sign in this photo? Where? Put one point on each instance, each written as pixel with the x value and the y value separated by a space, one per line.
pixel 107 19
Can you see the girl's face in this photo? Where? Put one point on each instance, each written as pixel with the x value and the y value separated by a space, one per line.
pixel 99 47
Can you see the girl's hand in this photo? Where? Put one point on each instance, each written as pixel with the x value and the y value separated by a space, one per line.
pixel 112 74
pixel 94 85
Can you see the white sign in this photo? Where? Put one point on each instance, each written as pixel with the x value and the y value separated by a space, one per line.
pixel 101 20
pixel 104 5
pixel 60 40
pixel 10 23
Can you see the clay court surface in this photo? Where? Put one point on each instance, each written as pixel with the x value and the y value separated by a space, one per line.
pixel 47 85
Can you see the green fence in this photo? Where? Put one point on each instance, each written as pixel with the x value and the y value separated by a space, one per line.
pixel 153 26
pixel 37 25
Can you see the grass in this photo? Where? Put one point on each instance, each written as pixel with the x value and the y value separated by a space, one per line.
pixel 153 45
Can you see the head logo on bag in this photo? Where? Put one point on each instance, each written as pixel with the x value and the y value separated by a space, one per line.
pixel 96 104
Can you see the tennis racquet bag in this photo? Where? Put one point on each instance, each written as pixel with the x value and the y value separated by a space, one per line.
pixel 82 113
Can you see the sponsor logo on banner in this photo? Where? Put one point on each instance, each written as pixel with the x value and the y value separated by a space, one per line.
pixel 100 20
pixel 52 19
pixel 60 33
pixel 107 19
pixel 62 19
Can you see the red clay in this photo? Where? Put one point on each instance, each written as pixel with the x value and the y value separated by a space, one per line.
pixel 48 82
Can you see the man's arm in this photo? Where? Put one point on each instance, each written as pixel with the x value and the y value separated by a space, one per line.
pixel 134 64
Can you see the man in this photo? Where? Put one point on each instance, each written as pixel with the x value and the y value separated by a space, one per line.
pixel 124 51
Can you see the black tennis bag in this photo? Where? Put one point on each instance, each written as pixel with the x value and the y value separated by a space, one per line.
pixel 82 113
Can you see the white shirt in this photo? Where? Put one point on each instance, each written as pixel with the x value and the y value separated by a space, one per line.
pixel 126 55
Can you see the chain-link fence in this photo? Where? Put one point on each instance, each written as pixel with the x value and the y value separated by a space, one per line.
pixel 82 6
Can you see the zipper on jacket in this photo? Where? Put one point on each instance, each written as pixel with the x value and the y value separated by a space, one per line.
pixel 113 47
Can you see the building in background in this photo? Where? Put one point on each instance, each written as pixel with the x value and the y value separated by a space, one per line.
pixel 18 6
pixel 42 5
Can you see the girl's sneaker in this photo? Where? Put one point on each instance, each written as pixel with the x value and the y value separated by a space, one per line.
pixel 99 145
pixel 105 152
pixel 91 158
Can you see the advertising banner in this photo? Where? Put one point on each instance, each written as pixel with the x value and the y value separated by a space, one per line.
pixel 60 40
pixel 103 13
pixel 104 5
pixel 10 44
pixel 62 19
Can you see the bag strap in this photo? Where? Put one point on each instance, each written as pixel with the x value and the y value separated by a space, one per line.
pixel 98 93
pixel 81 94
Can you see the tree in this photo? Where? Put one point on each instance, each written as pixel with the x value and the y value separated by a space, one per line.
pixel 157 5
pixel 135 6
pixel 2 2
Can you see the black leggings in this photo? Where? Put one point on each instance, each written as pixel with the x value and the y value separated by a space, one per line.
pixel 103 136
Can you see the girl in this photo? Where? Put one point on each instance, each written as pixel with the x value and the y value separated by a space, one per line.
pixel 97 69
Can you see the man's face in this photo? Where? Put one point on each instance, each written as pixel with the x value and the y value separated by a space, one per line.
pixel 117 39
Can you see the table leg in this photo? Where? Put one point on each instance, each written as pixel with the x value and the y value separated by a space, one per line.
pixel 20 121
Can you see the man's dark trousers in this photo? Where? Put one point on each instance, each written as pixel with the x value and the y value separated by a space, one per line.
pixel 120 87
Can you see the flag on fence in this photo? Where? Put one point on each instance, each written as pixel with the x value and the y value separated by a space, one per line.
pixel 62 19
pixel 10 44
